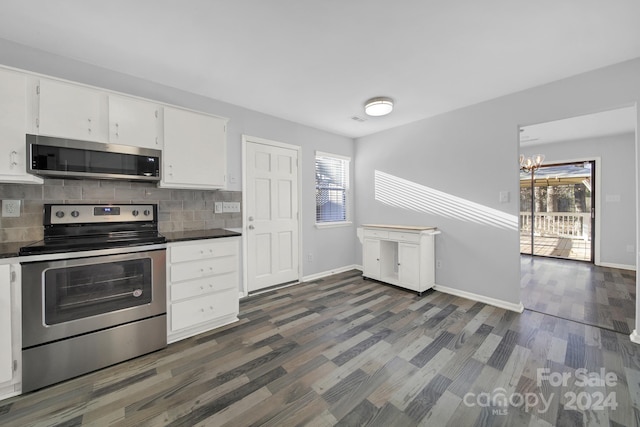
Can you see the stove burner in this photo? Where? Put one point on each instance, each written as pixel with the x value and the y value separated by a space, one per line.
pixel 72 228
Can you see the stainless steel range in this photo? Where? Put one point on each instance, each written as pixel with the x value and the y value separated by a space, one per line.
pixel 93 292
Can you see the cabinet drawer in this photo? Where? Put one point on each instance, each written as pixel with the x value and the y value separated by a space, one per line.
pixel 404 236
pixel 380 234
pixel 189 313
pixel 206 285
pixel 203 250
pixel 204 268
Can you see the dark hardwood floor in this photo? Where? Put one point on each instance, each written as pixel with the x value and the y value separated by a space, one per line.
pixel 349 352
pixel 580 291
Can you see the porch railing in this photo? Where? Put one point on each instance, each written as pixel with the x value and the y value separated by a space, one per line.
pixel 562 224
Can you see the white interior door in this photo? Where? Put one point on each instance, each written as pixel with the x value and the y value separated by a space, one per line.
pixel 271 206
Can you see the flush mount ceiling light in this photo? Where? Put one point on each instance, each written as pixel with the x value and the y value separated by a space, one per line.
pixel 379 106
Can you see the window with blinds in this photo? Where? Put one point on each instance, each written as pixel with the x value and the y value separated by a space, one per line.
pixel 332 188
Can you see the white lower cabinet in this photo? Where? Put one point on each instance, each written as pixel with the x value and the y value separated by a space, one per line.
pixel 203 278
pixel 10 331
pixel 400 255
pixel 371 258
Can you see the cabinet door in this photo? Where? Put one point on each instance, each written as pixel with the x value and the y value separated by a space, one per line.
pixel 13 127
pixel 203 268
pixel 194 150
pixel 203 309
pixel 371 258
pixel 193 251
pixel 198 287
pixel 409 265
pixel 6 339
pixel 133 122
pixel 71 111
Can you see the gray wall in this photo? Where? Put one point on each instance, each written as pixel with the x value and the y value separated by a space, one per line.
pixel 617 173
pixel 469 156
pixel 331 248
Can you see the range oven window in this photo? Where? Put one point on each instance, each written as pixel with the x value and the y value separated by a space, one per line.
pixel 73 293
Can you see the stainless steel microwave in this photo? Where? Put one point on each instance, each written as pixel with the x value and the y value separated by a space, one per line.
pixel 70 158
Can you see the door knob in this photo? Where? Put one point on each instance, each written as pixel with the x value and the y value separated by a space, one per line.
pixel 251 227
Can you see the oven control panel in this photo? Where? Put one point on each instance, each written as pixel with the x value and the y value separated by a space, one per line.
pixel 83 214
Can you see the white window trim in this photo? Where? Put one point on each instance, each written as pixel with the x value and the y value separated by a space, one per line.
pixel 347 222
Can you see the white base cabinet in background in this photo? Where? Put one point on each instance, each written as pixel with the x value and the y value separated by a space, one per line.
pixel 203 279
pixel 399 255
pixel 10 331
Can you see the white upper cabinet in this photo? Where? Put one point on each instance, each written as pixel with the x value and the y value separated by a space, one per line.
pixel 13 127
pixel 72 111
pixel 134 122
pixel 195 154
pixel 77 112
pixel 194 144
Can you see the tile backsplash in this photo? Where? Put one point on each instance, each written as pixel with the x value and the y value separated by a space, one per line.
pixel 179 210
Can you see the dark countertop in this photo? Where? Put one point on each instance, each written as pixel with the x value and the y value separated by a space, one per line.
pixel 11 249
pixel 214 233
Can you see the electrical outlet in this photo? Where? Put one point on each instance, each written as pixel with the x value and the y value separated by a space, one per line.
pixel 11 208
pixel 230 206
pixel 438 263
pixel 309 257
pixel 217 207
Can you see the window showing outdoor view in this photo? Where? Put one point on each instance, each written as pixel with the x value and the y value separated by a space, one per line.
pixel 332 186
pixel 561 224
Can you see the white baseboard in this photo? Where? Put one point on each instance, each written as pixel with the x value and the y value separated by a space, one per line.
pixel 635 337
pixel 308 278
pixel 518 308
pixel 317 276
pixel 620 266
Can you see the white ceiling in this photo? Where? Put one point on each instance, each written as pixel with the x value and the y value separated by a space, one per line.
pixel 316 62
pixel 612 122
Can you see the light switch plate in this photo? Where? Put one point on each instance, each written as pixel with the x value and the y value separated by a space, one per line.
pixel 504 197
pixel 11 208
pixel 217 207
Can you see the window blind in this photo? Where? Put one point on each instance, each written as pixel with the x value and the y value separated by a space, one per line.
pixel 332 185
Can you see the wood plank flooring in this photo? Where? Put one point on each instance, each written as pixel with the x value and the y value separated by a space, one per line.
pixel 349 352
pixel 599 296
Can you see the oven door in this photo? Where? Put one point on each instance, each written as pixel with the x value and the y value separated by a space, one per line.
pixel 65 298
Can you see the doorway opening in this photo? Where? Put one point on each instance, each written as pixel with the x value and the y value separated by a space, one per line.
pixel 557 211
pixel 596 150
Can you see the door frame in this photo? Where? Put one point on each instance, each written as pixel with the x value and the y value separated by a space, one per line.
pixel 247 139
